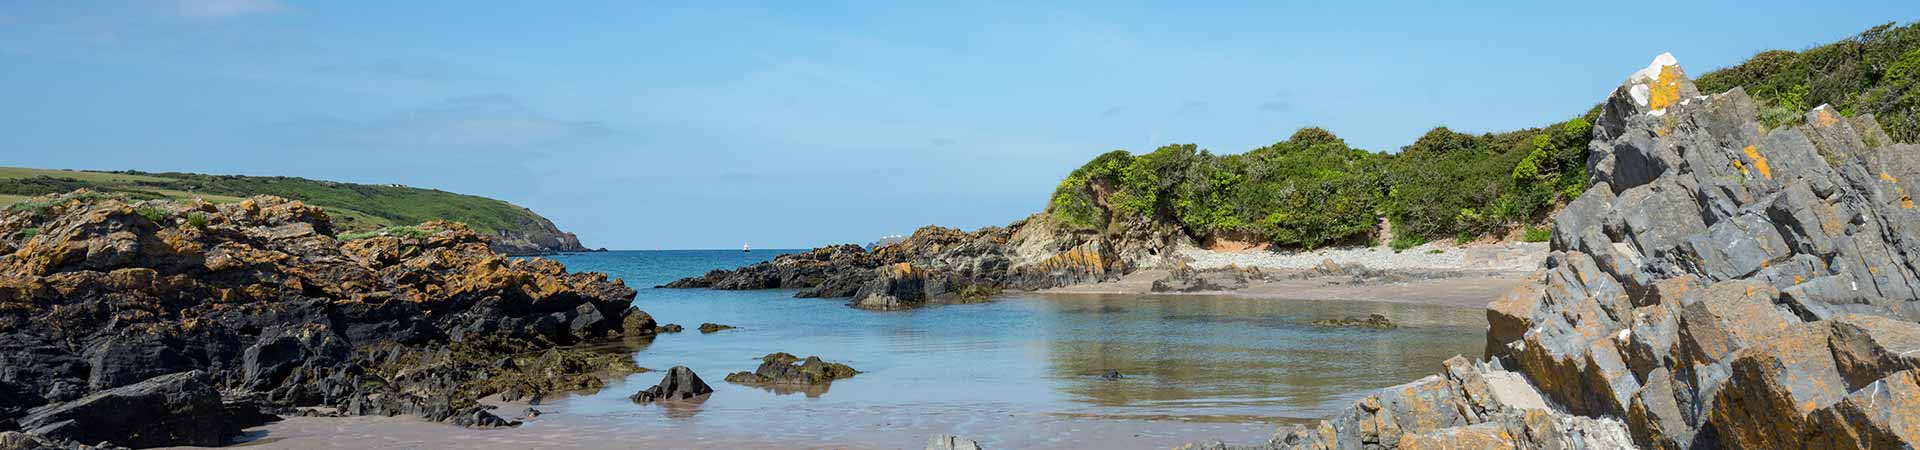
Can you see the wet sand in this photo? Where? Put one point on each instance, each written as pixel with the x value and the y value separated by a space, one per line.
pixel 555 431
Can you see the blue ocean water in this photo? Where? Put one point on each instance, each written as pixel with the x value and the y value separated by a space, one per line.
pixel 1021 371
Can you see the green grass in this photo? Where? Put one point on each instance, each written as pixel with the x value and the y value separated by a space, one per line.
pixel 354 207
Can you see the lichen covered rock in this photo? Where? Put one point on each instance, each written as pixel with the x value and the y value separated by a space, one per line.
pixel 272 307
pixel 1720 284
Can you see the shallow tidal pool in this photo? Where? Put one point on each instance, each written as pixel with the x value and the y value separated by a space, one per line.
pixel 1023 371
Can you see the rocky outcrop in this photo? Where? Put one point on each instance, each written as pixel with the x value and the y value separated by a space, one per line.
pixel 680 383
pixel 938 264
pixel 1720 284
pixel 106 304
pixel 786 369
pixel 535 235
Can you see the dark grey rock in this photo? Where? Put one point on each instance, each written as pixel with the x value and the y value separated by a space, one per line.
pixel 680 383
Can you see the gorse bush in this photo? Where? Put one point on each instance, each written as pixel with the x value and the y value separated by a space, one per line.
pixel 1313 190
pixel 1873 72
pixel 1308 191
pixel 404 232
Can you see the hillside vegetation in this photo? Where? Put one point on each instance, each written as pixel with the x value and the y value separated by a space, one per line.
pixel 1314 190
pixel 358 209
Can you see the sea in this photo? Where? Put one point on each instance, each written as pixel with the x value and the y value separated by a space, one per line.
pixel 1024 370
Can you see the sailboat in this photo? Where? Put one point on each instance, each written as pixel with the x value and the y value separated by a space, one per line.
pixel 744 248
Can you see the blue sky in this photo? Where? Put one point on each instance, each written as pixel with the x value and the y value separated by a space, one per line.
pixel 794 124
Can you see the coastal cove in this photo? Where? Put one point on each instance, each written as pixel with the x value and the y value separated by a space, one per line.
pixel 1021 371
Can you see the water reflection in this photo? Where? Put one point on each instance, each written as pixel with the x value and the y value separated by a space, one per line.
pixel 1023 371
pixel 1232 357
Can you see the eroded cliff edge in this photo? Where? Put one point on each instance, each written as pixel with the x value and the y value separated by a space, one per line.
pixel 1719 285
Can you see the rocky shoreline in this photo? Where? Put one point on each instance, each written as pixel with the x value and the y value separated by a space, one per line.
pixel 936 265
pixel 165 322
pixel 1721 284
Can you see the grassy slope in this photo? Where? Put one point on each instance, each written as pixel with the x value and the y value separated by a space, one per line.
pixel 355 207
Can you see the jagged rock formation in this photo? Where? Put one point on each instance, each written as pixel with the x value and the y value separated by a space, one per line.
pixel 1719 285
pixel 944 264
pixel 106 304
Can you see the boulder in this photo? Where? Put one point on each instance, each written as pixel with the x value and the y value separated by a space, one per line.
pixel 679 384
pixel 168 410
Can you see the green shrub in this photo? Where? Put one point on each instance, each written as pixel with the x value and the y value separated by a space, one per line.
pixel 1435 251
pixel 157 215
pixel 403 232
pixel 1314 190
pixel 1537 234
pixel 29 233
pixel 1406 241
pixel 197 220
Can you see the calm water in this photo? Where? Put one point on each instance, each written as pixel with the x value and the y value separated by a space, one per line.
pixel 1019 372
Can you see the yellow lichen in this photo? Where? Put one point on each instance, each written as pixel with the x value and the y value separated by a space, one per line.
pixel 1759 162
pixel 1665 90
pixel 1825 118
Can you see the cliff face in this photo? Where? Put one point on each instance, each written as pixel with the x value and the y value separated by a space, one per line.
pixel 534 235
pixel 166 322
pixel 1719 285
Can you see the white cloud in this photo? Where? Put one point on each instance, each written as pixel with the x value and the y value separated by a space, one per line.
pixel 220 9
pixel 481 120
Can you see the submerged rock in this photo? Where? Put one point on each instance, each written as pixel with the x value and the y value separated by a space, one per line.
pixel 1371 321
pixel 1183 279
pixel 786 369
pixel 680 383
pixel 669 328
pixel 951 442
pixel 710 328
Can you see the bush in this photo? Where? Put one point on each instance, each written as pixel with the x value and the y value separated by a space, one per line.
pixel 197 220
pixel 156 215
pixel 403 232
pixel 1537 234
pixel 1314 190
pixel 29 233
